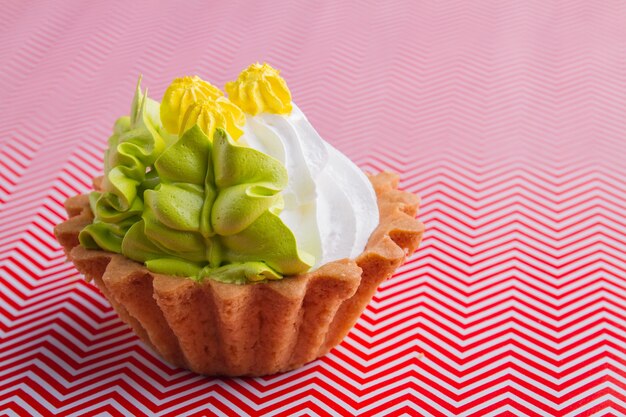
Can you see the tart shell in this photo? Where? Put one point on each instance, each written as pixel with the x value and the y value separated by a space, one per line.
pixel 215 328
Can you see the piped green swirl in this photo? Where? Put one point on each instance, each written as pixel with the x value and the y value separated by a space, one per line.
pixel 136 143
pixel 190 206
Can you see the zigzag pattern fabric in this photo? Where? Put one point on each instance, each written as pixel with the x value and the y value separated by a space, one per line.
pixel 508 118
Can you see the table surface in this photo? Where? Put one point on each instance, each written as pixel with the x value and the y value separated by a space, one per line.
pixel 507 118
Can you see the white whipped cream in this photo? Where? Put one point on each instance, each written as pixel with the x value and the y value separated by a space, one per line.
pixel 330 205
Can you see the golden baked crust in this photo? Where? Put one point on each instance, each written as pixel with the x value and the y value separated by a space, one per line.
pixel 215 328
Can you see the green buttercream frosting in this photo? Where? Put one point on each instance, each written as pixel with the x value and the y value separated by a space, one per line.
pixel 190 206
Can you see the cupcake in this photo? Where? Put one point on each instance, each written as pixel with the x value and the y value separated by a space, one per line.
pixel 229 235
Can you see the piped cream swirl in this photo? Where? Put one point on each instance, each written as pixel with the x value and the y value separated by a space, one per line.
pixel 260 89
pixel 330 204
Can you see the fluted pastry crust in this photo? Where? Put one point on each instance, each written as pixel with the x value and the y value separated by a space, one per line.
pixel 216 328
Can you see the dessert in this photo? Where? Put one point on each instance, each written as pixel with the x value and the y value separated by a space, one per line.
pixel 229 235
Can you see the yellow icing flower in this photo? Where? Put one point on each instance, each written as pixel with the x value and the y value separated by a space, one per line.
pixel 260 88
pixel 180 96
pixel 210 114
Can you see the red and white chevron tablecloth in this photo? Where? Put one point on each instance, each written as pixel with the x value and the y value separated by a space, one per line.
pixel 507 117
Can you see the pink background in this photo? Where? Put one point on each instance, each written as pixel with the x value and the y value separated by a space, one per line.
pixel 508 118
